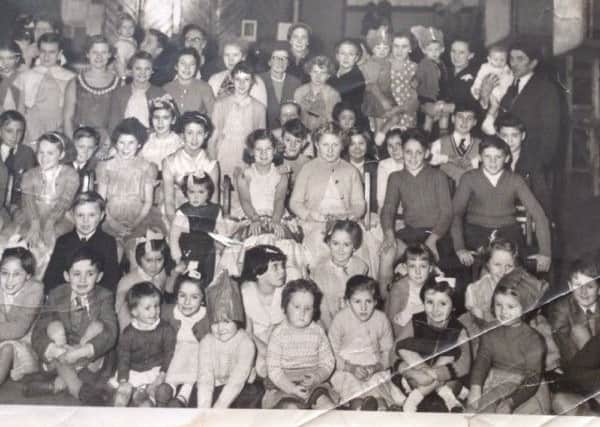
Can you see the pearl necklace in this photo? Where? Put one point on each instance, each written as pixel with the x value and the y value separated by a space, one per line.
pixel 97 91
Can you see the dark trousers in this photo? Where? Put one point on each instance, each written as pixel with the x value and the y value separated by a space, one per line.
pixel 249 398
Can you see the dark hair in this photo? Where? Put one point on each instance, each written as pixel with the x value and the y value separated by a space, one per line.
pixel 257 259
pixel 191 27
pixel 331 128
pixel 371 154
pixel 257 135
pixel 437 284
pixel 205 181
pixel 418 251
pixel 320 61
pixel 55 138
pixel 165 102
pixel 50 38
pixel 86 254
pixel 86 132
pixel 13 116
pixel 294 127
pixel 25 34
pixel 183 278
pixel 279 45
pixel 340 107
pixel 362 282
pixel 139 291
pixel 140 55
pixel 354 43
pixel 509 120
pixel 465 107
pixel 462 40
pixel 529 47
pixel 190 51
pixel 161 38
pixel 302 285
pixel 498 143
pixel 415 135
pixel 405 35
pixel 243 67
pixel 98 39
pixel 297 25
pixel 158 246
pixel 24 255
pixel 500 244
pixel 130 126
pixel 350 227
pixel 11 46
pixel 88 197
pixel 200 119
pixel 394 132
pixel 588 265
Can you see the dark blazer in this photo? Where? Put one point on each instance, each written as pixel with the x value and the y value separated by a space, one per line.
pixel 58 307
pixel 65 247
pixel 290 84
pixel 371 167
pixel 120 98
pixel 22 160
pixel 563 314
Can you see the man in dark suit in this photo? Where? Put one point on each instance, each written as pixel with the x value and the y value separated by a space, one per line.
pixel 279 84
pixel 535 100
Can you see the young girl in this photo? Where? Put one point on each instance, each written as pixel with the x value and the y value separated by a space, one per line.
pixel 404 298
pixel 145 349
pixel 507 372
pixel 361 339
pixel 132 99
pixel 126 182
pixel 125 45
pixel 348 80
pixel 188 318
pixel 262 279
pixel 394 162
pixel 225 373
pixel 332 273
pixel 153 264
pixel 485 201
pixel 190 93
pixel 190 159
pixel 48 191
pixel 345 115
pixel 317 98
pixel 21 298
pixel 432 350
pixel 425 197
pixel 43 90
pixel 235 116
pixel 10 60
pixel 299 356
pixel 193 220
pixel 362 154
pixel 162 140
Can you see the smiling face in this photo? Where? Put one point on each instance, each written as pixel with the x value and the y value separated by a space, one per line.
pixel 274 276
pixel 48 154
pixel 12 276
pixel 141 70
pixel 49 53
pixel 341 247
pixel 464 121
pixel 224 330
pixel 189 298
pixel 87 216
pixel 507 309
pixel 147 310
pixel 152 262
pixel 513 137
pixel 9 62
pixel 299 40
pixel 501 263
pixel 85 147
pixel 194 137
pixel 98 56
pixel 357 148
pixel 401 48
pixel 414 155
pixel 232 54
pixel 11 133
pixel 82 277
pixel 497 59
pixel 330 147
pixel 460 54
pixel 493 160
pixel 438 307
pixel 186 67
pixel 263 152
pixel 299 310
pixel 242 83
pixel 521 64
pixel 362 303
pixel 127 146
pixel 162 121
pixel 293 146
pixel 585 289
pixel 394 147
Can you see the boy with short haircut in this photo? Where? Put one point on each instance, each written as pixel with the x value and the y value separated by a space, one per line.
pixel 85 141
pixel 513 132
pixel 87 212
pixel 458 152
pixel 76 331
pixel 295 140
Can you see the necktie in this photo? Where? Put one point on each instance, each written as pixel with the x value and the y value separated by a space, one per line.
pixel 227 87
pixel 511 94
pixel 10 158
pixel 591 321
pixel 462 147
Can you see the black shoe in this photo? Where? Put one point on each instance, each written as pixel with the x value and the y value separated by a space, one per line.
pixel 369 403
pixel 38 388
pixel 457 410
pixel 315 395
pixel 91 395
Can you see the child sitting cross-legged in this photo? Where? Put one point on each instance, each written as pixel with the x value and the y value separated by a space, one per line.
pixel 75 332
pixel 361 338
pixel 299 356
pixel 225 366
pixel 144 351
pixel 432 351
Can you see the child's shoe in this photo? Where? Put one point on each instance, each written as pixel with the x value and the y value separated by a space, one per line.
pixel 123 395
pixel 141 398
pixel 163 395
pixel 412 401
pixel 369 403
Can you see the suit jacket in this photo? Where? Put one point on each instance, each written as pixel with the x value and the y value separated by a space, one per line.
pixel 23 159
pixel 120 98
pixel 17 318
pixel 58 307
pixel 563 314
pixel 538 107
pixel 290 84
pixel 65 247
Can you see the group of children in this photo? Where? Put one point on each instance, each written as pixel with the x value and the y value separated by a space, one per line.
pixel 192 257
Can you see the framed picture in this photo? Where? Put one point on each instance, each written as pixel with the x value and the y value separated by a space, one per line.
pixel 249 29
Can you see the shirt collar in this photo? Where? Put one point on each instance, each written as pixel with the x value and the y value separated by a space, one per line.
pixel 142 327
pixel 83 236
pixel 80 301
pixel 592 308
pixel 493 178
pixel 457 138
pixel 523 81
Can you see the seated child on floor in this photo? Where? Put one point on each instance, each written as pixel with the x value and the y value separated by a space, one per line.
pixel 361 339
pixel 21 298
pixel 507 372
pixel 432 350
pixel 299 356
pixel 331 274
pixel 76 330
pixel 189 320
pixel 404 298
pixel 144 351
pixel 225 373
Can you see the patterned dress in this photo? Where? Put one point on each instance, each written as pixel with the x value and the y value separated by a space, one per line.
pixel 403 87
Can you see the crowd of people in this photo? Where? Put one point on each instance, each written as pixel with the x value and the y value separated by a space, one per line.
pixel 334 231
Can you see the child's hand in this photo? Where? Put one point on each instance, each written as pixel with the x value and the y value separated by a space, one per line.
pixel 308 380
pixel 300 391
pixel 362 373
pixel 465 257
pixel 477 312
pixel 278 230
pixel 255 227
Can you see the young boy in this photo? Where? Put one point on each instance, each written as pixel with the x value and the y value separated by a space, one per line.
pixel 295 140
pixel 88 212
pixel 86 141
pixel 458 152
pixel 263 277
pixel 348 80
pixel 76 331
pixel 512 130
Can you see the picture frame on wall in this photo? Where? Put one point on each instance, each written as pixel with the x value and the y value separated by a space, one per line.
pixel 249 29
